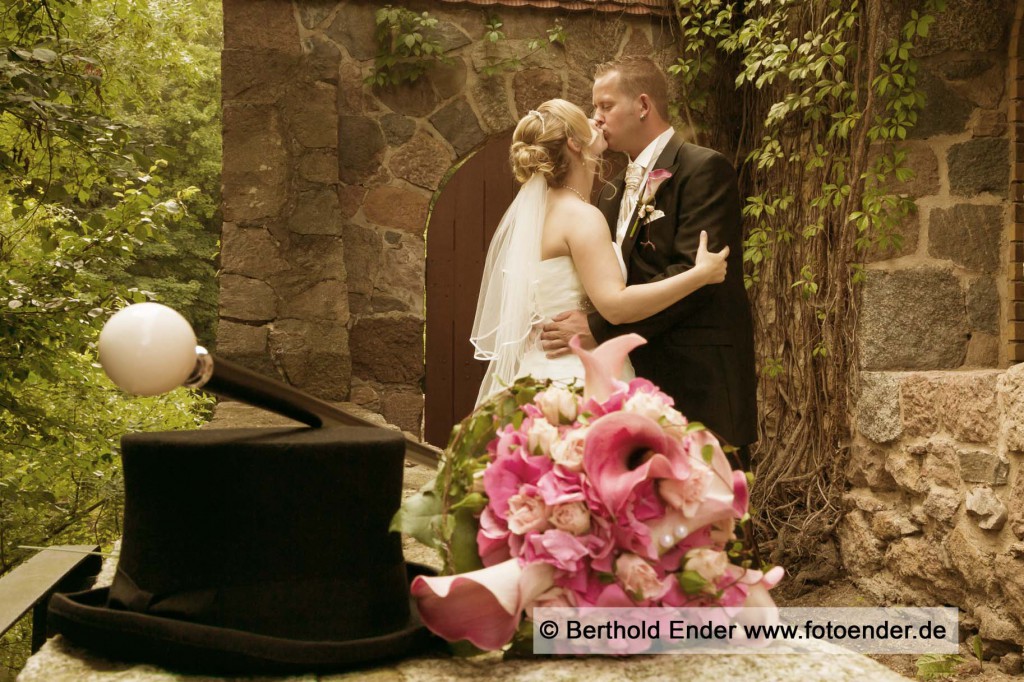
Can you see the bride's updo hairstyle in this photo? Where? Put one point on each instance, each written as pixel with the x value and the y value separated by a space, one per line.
pixel 540 141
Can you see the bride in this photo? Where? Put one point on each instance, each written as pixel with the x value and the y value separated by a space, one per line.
pixel 553 251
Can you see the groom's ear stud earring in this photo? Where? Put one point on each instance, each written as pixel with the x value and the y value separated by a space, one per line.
pixel 643 117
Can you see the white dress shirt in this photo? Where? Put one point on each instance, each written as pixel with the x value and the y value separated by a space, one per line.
pixel 646 159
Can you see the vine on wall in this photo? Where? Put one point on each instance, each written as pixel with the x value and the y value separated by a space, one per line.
pixel 827 98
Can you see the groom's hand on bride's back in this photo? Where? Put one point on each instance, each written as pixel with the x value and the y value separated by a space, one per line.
pixel 555 336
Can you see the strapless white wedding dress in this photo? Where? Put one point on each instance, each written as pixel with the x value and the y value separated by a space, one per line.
pixel 558 288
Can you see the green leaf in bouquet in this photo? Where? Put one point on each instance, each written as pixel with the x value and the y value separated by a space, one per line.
pixel 692 582
pixel 707 453
pixel 694 426
pixel 465 556
pixel 420 516
pixel 473 503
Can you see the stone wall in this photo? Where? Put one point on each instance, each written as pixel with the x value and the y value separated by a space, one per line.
pixel 327 182
pixel 934 511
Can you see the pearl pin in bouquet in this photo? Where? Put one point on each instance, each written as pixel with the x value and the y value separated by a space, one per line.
pixel 609 498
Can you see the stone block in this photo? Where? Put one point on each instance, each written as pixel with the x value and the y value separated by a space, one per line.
pixel 922 160
pixel 904 465
pixel 350 200
pixel 891 524
pixel 312 112
pixel 969 557
pixel 1011 390
pixel 354 28
pixel 260 25
pixel 491 96
pixel 983 305
pixel 417 98
pixel 867 469
pixel 316 212
pixel 862 550
pixel 361 148
pixel 878 407
pixel 321 59
pixel 907 231
pixel 963 69
pixel 982 350
pixel 912 319
pixel 459 125
pixel 922 562
pixel 364 395
pixel 255 164
pixel 251 252
pixel 247 299
pixel 314 356
pixel 404 410
pixel 987 508
pixel 978 466
pixel 969 26
pixel 402 289
pixel 388 349
pixel 315 257
pixel 397 128
pixel 312 13
pixel 246 345
pixel 989 124
pixel 997 626
pixel 638 44
pixel 1011 664
pixel 591 39
pixel 1007 575
pixel 250 77
pixel 423 161
pixel 970 411
pixel 941 503
pixel 353 98
pixel 580 90
pixel 921 401
pixel 533 86
pixel 326 300
pixel 449 79
pixel 397 207
pixel 1015 504
pixel 970 235
pixel 319 165
pixel 448 34
pixel 986 90
pixel 980 165
pixel 940 465
pixel 363 248
pixel 944 113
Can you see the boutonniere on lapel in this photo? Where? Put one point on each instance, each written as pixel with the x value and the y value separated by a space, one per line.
pixel 646 212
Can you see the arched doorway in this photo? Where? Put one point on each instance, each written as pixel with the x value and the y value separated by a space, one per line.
pixel 459 230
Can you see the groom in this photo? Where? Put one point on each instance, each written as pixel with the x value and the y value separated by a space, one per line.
pixel 700 351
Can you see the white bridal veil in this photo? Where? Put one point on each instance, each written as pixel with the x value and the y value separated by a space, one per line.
pixel 505 310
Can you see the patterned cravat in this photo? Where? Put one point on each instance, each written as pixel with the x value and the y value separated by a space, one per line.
pixel 634 172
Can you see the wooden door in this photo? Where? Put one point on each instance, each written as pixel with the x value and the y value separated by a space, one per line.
pixel 459 230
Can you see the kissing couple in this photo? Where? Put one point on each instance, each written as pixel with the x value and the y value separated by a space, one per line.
pixel 660 256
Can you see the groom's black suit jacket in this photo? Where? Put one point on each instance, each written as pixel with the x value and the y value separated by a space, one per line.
pixel 700 350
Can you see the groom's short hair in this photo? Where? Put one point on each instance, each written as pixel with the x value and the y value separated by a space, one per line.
pixel 639 76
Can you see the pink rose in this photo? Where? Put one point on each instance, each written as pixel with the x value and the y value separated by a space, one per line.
pixel 554 598
pixel 638 578
pixel 568 452
pixel 573 517
pixel 558 404
pixel 711 564
pixel 687 495
pixel 527 513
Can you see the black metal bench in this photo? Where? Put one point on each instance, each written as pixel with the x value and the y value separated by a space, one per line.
pixel 62 568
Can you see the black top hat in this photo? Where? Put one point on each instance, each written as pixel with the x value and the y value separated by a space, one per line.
pixel 255 550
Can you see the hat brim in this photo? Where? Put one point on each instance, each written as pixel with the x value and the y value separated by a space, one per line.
pixel 85 619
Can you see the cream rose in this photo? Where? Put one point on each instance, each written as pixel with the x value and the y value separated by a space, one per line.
pixel 568 451
pixel 558 404
pixel 526 514
pixel 711 564
pixel 541 437
pixel 687 495
pixel 638 578
pixel 572 517
pixel 646 405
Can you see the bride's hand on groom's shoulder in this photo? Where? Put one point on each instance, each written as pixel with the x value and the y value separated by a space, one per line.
pixel 712 264
pixel 555 335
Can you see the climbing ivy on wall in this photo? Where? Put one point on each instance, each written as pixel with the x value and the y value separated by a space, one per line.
pixel 828 91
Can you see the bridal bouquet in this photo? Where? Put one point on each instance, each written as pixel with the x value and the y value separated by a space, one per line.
pixel 547 497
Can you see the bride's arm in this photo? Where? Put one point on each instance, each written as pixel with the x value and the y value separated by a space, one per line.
pixel 594 259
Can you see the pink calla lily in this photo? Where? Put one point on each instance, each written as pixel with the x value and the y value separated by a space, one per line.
pixel 483 606
pixel 603 365
pixel 613 440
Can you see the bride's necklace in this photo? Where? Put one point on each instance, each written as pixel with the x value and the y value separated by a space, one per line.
pixel 576 193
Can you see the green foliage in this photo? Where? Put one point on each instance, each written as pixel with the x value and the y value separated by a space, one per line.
pixel 104 142
pixel 409 45
pixel 937 666
pixel 495 64
pixel 443 514
pixel 827 99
